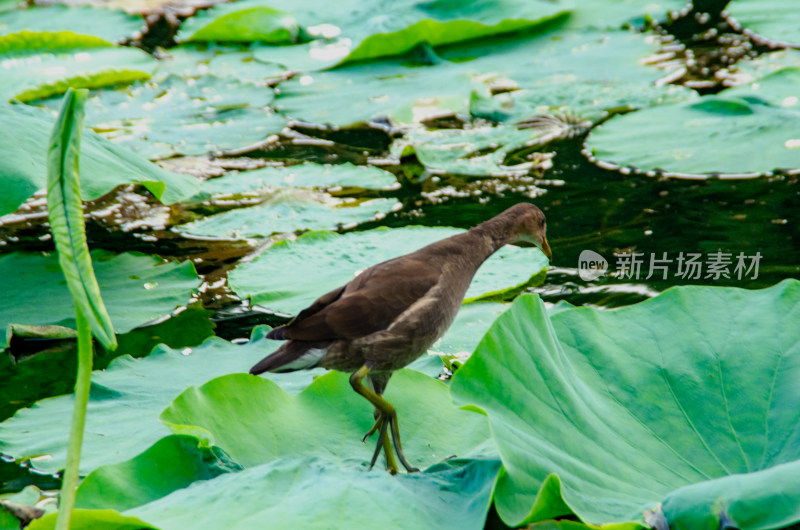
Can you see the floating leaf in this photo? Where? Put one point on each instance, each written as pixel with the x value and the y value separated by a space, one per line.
pixel 256 422
pixel 363 31
pixel 776 21
pixel 747 130
pixel 289 211
pixel 39 65
pixel 473 152
pixel 614 14
pixel 290 275
pixel 171 463
pixel 469 327
pixel 103 165
pixel 586 73
pixel 308 175
pixel 192 61
pixel 122 418
pixel 308 493
pixel 136 289
pixel 158 120
pixel 606 414
pixel 365 92
pixel 108 24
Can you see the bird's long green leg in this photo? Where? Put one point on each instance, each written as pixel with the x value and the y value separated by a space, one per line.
pixel 389 415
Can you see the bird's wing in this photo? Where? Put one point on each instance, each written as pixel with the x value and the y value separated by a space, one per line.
pixel 369 303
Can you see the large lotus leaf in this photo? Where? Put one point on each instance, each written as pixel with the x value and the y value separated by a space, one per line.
pixel 472 152
pixel 748 71
pixel 238 62
pixel 241 22
pixel 171 463
pixel 93 520
pixel 108 24
pixel 256 422
pixel 136 289
pixel 103 165
pixel 778 89
pixel 37 65
pixel 122 416
pixel 179 116
pixel 310 493
pixel 365 30
pixel 586 73
pixel 364 92
pixel 290 275
pixel 721 134
pixel 308 175
pixel 469 327
pixel 689 398
pixel 289 211
pixel 777 20
pixel 614 14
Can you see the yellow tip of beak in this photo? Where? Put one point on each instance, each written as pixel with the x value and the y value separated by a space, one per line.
pixel 546 250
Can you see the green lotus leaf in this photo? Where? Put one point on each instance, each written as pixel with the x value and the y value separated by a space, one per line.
pixel 471 152
pixel 310 493
pixel 136 289
pixel 224 62
pixel 82 519
pixel 171 463
pixel 111 25
pixel 765 64
pixel 777 21
pixel 614 14
pixel 585 74
pixel 588 73
pixel 187 328
pixel 289 211
pixel 363 31
pixel 471 324
pixel 178 116
pixel 39 65
pixel 746 130
pixel 103 165
pixel 256 422
pixel 308 175
pixel 241 22
pixel 688 399
pixel 365 92
pixel 126 398
pixel 290 275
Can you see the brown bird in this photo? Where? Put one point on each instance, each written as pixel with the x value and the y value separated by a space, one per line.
pixel 391 313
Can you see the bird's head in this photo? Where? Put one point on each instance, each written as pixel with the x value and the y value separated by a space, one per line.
pixel 529 227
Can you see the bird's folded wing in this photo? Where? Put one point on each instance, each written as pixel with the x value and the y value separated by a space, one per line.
pixel 369 303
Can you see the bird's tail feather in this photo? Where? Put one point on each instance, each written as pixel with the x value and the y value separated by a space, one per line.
pixel 291 356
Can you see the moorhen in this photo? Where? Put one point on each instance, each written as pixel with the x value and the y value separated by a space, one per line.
pixel 391 313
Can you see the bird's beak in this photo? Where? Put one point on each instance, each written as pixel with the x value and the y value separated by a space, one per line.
pixel 546 249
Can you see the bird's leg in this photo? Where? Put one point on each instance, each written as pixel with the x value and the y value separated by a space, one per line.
pixel 386 415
